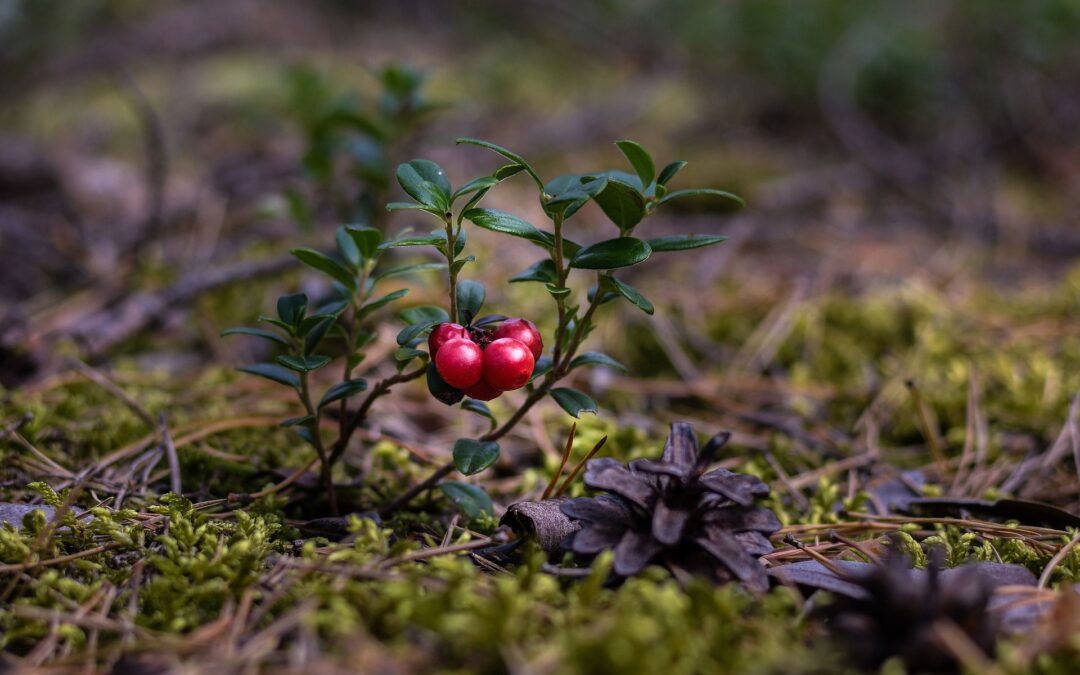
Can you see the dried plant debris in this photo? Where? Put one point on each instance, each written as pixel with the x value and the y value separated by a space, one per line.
pixel 544 521
pixel 674 513
pixel 918 617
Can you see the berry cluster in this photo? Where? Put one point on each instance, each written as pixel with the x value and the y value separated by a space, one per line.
pixel 481 363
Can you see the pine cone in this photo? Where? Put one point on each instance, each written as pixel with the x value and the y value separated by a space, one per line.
pixel 902 612
pixel 672 513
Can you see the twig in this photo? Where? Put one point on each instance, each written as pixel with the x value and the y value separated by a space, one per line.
pixel 1044 578
pixel 562 463
pixel 170 454
pixel 580 465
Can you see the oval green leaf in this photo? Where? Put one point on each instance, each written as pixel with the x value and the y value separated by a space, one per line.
pixel 472 456
pixel 611 254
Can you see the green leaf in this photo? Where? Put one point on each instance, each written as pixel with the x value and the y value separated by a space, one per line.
pixel 410 206
pixel 632 294
pixel 426 182
pixel 314 336
pixel 405 354
pixel 542 270
pixel 294 421
pixel 257 332
pixel 424 314
pixel 406 269
pixel 573 401
pixel 508 223
pixel 476 184
pixel 480 408
pixel 472 456
pixel 343 390
pixel 472 500
pixel 346 246
pixel 291 308
pixel 512 156
pixel 370 307
pixel 458 264
pixel 411 332
pixel 732 200
pixel 273 372
pixel 303 364
pixel 684 242
pixel 622 203
pixel 568 193
pixel 595 359
pixel 543 365
pixel 433 239
pixel 439 389
pixel 327 266
pixel 639 159
pixel 556 291
pixel 367 240
pixel 470 298
pixel 611 254
pixel 669 171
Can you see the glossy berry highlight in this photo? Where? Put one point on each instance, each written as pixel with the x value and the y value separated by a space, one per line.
pixel 524 331
pixel 460 362
pixel 507 364
pixel 443 333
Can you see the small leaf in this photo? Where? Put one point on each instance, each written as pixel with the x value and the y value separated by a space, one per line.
pixel 303 364
pixel 424 314
pixel 543 365
pixel 343 390
pixel 294 421
pixel 347 247
pixel 470 298
pixel 314 336
pixel 472 456
pixel 568 193
pixel 480 408
pixel 370 307
pixel 411 332
pixel 622 203
pixel 639 159
pixel 472 500
pixel 732 200
pixel 542 270
pixel 405 354
pixel 512 156
pixel 632 294
pixel 426 182
pixel 327 266
pixel 573 401
pixel 501 221
pixel 433 239
pixel 556 291
pixel 291 308
pixel 458 264
pixel 367 240
pixel 595 359
pixel 273 372
pixel 612 253
pixel 684 242
pixel 488 319
pixel 406 206
pixel 257 332
pixel 439 389
pixel 406 269
pixel 481 183
pixel 669 171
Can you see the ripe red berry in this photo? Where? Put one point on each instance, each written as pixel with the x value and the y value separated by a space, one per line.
pixel 508 364
pixel 460 362
pixel 443 333
pixel 524 331
pixel 482 391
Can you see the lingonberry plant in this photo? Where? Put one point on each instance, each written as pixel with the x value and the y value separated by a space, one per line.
pixel 472 358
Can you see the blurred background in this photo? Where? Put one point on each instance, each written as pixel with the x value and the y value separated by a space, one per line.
pixel 902 156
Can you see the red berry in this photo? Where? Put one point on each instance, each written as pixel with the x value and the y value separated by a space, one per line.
pixel 482 391
pixel 443 333
pixel 460 362
pixel 508 364
pixel 524 331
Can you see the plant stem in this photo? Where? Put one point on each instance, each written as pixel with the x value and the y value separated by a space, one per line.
pixel 381 388
pixel 420 487
pixel 327 475
pixel 451 242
